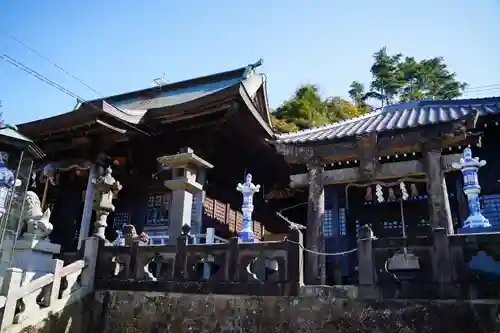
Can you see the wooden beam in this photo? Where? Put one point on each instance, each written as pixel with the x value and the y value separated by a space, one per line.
pixel 368 151
pixel 387 171
pixel 408 141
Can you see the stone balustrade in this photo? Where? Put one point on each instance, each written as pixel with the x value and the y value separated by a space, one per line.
pixel 27 304
pixel 459 266
pixel 266 268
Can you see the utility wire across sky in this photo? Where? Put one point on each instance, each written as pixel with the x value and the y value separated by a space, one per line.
pixel 467 91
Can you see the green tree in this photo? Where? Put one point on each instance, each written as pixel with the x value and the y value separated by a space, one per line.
pixel 307 109
pixel 386 77
pixel 396 78
pixel 357 93
pixel 428 79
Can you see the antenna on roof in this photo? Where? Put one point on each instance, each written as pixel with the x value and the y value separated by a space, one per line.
pixel 160 81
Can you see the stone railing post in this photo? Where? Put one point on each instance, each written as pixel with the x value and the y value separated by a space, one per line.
pixel 295 261
pixel 181 254
pixel 366 265
pixel 11 284
pixel 234 260
pixel 90 256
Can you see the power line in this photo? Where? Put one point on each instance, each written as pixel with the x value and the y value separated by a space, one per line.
pixel 53 84
pixel 50 62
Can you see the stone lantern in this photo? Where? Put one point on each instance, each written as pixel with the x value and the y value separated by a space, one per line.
pixel 248 189
pixel 469 166
pixel 7 181
pixel 186 169
pixel 106 189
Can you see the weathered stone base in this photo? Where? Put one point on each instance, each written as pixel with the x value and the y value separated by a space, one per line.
pixel 76 318
pixel 316 310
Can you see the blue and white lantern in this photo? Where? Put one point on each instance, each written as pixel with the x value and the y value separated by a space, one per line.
pixel 7 181
pixel 470 166
pixel 248 189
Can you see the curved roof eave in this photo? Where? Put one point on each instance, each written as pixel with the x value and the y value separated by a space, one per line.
pixel 396 117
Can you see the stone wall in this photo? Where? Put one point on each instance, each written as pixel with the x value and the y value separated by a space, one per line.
pixel 315 310
pixel 75 318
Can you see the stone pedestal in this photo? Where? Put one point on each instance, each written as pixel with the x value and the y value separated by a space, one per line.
pixel 184 184
pixel 34 257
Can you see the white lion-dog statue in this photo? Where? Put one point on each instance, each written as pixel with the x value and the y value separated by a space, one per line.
pixel 38 222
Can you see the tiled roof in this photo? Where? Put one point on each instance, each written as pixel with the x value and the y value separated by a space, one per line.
pixel 394 117
pixel 11 132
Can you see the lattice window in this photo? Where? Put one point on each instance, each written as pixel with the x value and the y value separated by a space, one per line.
pixel 220 211
pixel 342 222
pixel 121 218
pixel 231 218
pixel 239 222
pixel 328 223
pixel 257 229
pixel 158 209
pixel 208 206
pixel 491 208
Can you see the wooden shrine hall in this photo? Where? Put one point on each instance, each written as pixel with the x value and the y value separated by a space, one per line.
pixel 224 118
pixel 390 170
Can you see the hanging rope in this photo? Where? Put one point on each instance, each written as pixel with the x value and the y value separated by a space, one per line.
pixel 332 254
pixel 294 225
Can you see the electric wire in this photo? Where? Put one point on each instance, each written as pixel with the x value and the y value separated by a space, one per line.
pixel 50 61
pixel 68 92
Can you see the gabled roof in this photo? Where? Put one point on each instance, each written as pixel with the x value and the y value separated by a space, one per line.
pixel 132 107
pixel 396 117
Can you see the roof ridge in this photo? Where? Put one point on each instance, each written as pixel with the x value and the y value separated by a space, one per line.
pixel 243 69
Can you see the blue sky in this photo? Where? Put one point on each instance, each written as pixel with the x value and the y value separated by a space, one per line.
pixel 119 46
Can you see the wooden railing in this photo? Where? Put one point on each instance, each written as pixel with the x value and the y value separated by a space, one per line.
pixel 223 213
pixel 28 304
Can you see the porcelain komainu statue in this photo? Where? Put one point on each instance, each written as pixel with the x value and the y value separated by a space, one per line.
pixel 38 223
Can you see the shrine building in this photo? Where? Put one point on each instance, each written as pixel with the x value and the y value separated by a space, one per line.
pixel 390 168
pixel 221 118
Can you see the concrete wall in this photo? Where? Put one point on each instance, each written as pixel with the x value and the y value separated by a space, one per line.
pixel 316 310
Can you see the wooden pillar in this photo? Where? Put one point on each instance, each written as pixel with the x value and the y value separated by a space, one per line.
pixel 315 241
pixel 439 205
pixel 87 206
pixel 463 205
